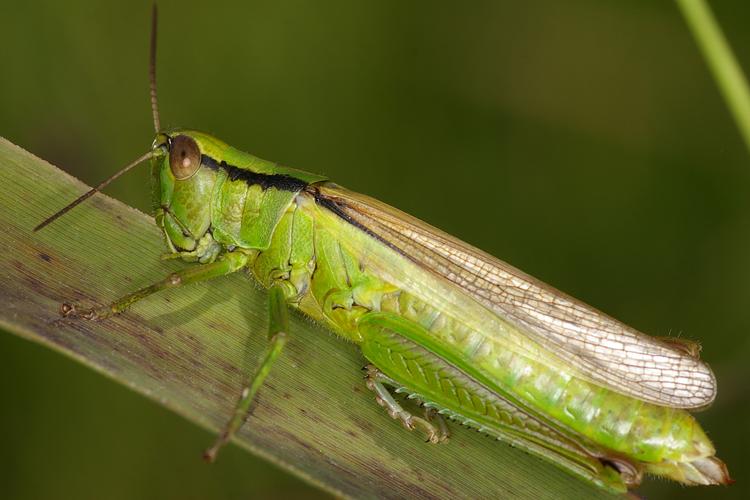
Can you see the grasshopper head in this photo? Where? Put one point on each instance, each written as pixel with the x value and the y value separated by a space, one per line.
pixel 181 190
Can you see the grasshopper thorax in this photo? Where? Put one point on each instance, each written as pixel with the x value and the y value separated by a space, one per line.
pixel 208 196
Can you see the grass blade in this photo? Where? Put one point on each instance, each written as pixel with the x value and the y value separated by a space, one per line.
pixel 724 66
pixel 187 351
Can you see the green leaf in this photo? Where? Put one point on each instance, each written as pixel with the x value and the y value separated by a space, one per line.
pixel 188 349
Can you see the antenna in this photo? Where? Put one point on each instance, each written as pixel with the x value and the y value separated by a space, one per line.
pixel 93 190
pixel 152 71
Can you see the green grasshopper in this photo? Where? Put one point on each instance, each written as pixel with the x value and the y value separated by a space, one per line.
pixel 468 336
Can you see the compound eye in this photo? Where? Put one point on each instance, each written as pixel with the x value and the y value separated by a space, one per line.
pixel 184 157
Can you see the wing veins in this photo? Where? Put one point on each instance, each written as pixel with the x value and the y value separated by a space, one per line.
pixel 604 350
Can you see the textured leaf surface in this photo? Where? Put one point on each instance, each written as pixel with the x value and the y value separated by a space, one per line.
pixel 188 348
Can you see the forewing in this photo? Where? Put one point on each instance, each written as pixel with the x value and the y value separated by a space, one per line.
pixel 602 349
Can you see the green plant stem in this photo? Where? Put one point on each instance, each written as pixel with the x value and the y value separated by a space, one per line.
pixel 721 60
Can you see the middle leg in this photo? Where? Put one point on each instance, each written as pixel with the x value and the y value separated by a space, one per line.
pixel 277 336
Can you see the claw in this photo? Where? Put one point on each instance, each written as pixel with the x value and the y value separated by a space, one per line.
pixel 427 428
pixel 68 310
pixel 431 414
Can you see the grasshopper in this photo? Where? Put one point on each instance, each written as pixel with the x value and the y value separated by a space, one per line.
pixel 470 337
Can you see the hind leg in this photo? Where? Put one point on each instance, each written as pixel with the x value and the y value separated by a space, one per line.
pixel 376 381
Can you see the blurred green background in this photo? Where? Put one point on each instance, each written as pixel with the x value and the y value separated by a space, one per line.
pixel 582 141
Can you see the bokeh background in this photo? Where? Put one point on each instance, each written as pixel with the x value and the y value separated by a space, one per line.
pixel 582 141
